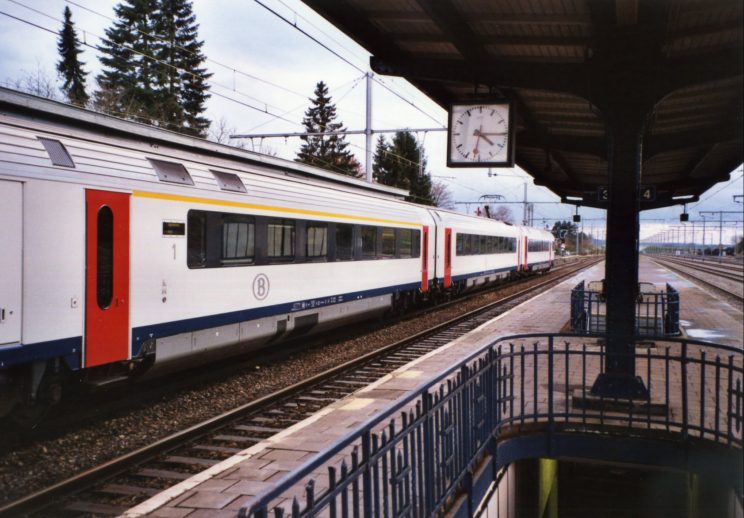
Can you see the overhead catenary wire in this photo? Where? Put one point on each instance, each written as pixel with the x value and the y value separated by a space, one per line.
pixel 304 105
pixel 314 26
pixel 710 195
pixel 344 59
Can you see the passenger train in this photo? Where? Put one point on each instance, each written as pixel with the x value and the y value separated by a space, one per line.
pixel 128 251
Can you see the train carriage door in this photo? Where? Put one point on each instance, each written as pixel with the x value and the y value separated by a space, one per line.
pixel 107 278
pixel 447 257
pixel 425 260
pixel 11 239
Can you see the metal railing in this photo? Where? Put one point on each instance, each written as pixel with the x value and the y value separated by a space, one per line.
pixel 657 312
pixel 411 459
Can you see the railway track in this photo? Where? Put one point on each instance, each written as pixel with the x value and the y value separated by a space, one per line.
pixel 121 483
pixel 728 280
pixel 731 271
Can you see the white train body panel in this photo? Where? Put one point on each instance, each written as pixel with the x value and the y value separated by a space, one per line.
pixel 11 261
pixel 53 261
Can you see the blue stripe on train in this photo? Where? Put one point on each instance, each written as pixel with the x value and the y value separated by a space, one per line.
pixel 140 334
pixel 481 274
pixel 70 349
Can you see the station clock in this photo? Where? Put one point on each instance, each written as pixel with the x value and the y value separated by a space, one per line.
pixel 481 135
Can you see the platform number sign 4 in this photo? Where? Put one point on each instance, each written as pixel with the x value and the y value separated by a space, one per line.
pixel 648 193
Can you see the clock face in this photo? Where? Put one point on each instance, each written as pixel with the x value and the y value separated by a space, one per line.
pixel 479 135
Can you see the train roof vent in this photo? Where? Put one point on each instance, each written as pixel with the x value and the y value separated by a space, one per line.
pixel 228 181
pixel 57 152
pixel 171 172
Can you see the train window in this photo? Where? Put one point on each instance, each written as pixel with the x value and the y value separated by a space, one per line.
pixel 369 242
pixel 105 258
pixel 459 244
pixel 281 239
pixel 416 243
pixel 228 181
pixel 484 245
pixel 344 242
pixel 317 240
pixel 196 254
pixel 406 242
pixel 57 152
pixel 238 239
pixel 171 172
pixel 388 242
pixel 468 244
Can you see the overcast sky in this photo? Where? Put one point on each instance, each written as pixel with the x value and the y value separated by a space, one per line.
pixel 245 42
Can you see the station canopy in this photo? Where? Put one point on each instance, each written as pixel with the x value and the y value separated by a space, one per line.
pixel 562 62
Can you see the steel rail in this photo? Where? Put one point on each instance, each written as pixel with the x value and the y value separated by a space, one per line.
pixel 720 270
pixel 686 273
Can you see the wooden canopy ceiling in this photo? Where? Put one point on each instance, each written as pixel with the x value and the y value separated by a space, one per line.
pixel 564 63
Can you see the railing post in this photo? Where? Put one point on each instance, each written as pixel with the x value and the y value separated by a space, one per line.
pixel 366 475
pixel 550 384
pixel 684 389
pixel 467 446
pixel 428 454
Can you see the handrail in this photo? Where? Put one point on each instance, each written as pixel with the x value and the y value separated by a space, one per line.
pixel 656 313
pixel 417 453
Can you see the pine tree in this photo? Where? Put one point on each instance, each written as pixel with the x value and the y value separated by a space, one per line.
pixel 182 82
pixel 405 167
pixel 326 151
pixel 153 69
pixel 127 83
pixel 382 162
pixel 69 67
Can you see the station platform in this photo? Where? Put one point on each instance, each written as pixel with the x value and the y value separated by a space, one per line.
pixel 224 488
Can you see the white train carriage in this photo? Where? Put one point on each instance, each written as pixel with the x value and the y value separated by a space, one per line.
pixel 131 250
pixel 126 246
pixel 535 249
pixel 473 251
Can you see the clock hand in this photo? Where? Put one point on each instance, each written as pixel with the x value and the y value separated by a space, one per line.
pixel 480 135
pixel 497 133
pixel 476 133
